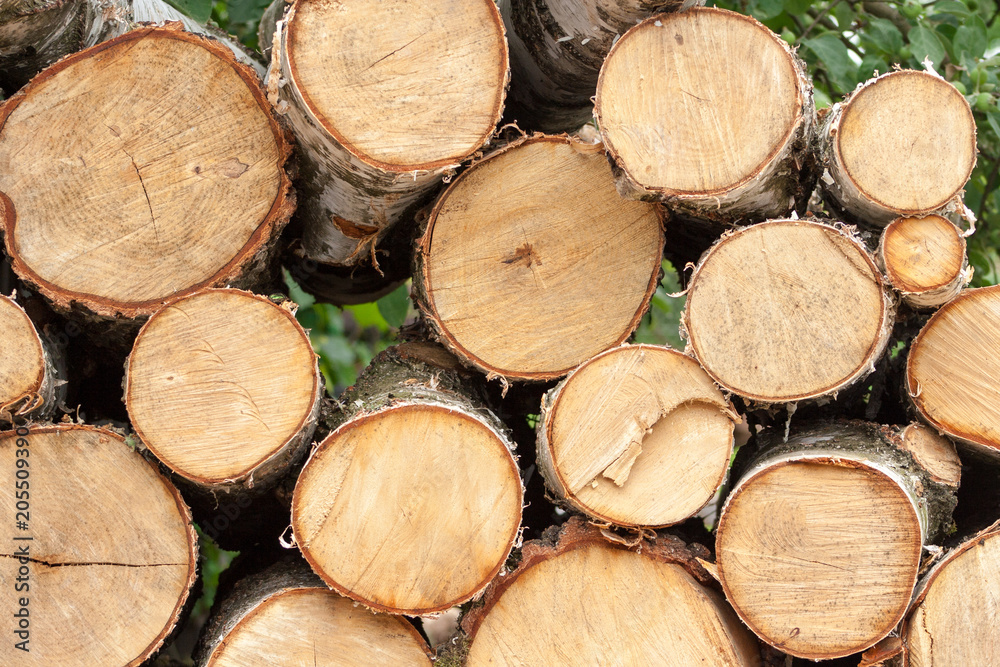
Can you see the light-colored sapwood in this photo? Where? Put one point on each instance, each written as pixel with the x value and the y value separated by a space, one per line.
pixel 162 166
pixel 708 111
pixel 412 504
pixel 533 245
pixel 955 619
pixel 285 615
pixel 788 310
pixel 113 553
pixel 903 144
pixel 953 366
pixel 637 436
pixel 819 542
pixel 557 48
pixel 224 388
pixel 577 598
pixel 385 99
pixel 29 380
pixel 924 259
pixel 934 452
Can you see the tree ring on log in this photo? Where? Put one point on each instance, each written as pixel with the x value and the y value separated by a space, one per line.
pixel 924 258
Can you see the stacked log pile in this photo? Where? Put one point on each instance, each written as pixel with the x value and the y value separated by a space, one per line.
pixel 838 380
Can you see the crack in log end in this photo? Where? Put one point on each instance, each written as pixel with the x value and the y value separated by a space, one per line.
pixel 524 253
pixel 620 468
pixel 39 561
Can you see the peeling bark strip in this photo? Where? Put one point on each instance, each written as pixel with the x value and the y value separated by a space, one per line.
pixel 415 466
pixel 819 542
pixel 955 617
pixel 637 436
pixel 709 112
pixel 113 552
pixel 385 99
pixel 788 310
pixel 285 615
pixel 241 359
pixel 30 383
pixel 924 259
pixel 171 180
pixel 578 598
pixel 902 144
pixel 557 48
pixel 952 370
pixel 518 253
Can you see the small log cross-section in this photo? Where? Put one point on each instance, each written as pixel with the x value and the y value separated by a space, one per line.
pixel 577 598
pixel 533 245
pixel 924 259
pixel 708 111
pixel 223 387
pixel 953 366
pixel 29 382
pixel 637 436
pixel 385 99
pixel 111 556
pixel 955 618
pixel 162 172
pixel 788 310
pixel 903 144
pixel 285 615
pixel 819 542
pixel 412 504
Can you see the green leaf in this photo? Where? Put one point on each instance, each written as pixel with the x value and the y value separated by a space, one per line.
pixel 246 11
pixel 971 39
pixel 368 315
pixel 199 10
pixel 395 306
pixel 884 35
pixel 833 56
pixel 869 65
pixel 924 43
pixel 954 8
pixel 993 116
pixel 766 9
pixel 797 7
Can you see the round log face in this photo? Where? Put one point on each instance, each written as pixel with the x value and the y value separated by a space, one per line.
pixel 786 310
pixel 953 365
pixel 907 141
pixel 315 626
pixel 161 162
pixel 715 91
pixel 22 364
pixel 934 452
pixel 808 563
pixel 957 621
pixel 112 555
pixel 922 254
pixel 640 436
pixel 598 605
pixel 533 245
pixel 403 84
pixel 219 382
pixel 411 509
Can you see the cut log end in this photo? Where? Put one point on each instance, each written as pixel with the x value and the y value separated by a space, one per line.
pixel 387 87
pixel 924 258
pixel 113 554
pixel 425 479
pixel 22 364
pixel 934 452
pixel 637 436
pixel 787 310
pixel 150 195
pixel 520 248
pixel 223 386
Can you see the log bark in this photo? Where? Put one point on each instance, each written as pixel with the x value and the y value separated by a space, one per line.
pixel 637 436
pixel 32 372
pixel 804 559
pixel 576 594
pixel 112 553
pixel 416 466
pixel 924 260
pixel 285 615
pixel 380 123
pixel 902 144
pixel 150 196
pixel 557 48
pixel 515 256
pixel 723 131
pixel 788 310
pixel 952 368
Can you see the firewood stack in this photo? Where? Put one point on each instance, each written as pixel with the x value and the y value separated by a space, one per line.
pixel 838 376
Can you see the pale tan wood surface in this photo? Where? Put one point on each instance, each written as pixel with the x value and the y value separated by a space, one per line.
pixel 638 436
pixel 147 193
pixel 22 362
pixel 787 310
pixel 933 451
pixel 521 250
pixel 924 258
pixel 113 551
